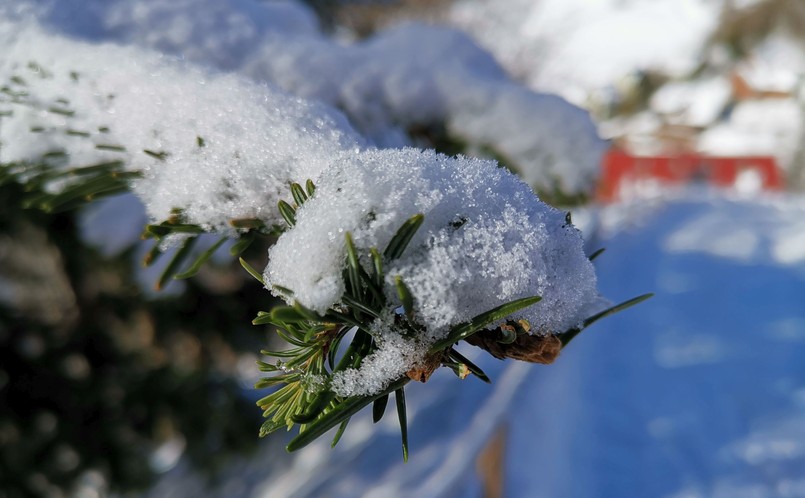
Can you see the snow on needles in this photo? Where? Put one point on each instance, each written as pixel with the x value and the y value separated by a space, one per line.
pixel 221 148
pixel 486 240
pixel 229 147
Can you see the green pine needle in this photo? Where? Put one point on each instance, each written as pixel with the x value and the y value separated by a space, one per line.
pixel 472 367
pixel 379 408
pixel 403 236
pixel 298 194
pixel 399 397
pixel 242 244
pixel 465 330
pixel 617 308
pixel 254 273
pixel 158 155
pixel 310 188
pixel 287 314
pixel 200 260
pixel 568 336
pixel 353 267
pixel 181 254
pixel 405 296
pixel 377 267
pixel 339 433
pixel 597 253
pixel 343 411
pixel 288 213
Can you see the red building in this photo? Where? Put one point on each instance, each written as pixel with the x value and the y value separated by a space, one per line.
pixel 621 170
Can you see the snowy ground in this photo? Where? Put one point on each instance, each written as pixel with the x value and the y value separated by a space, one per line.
pixel 698 392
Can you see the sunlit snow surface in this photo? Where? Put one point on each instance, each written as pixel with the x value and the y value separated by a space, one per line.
pixel 698 392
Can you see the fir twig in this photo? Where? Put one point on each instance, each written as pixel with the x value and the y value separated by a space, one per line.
pixel 306 369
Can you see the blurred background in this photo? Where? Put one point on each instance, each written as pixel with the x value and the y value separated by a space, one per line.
pixel 675 136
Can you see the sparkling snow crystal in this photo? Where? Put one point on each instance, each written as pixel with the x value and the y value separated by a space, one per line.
pixel 486 240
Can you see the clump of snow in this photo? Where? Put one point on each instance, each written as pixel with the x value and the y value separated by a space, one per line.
pixel 398 77
pixel 218 33
pixel 229 146
pixel 393 358
pixel 417 75
pixel 552 145
pixel 410 77
pixel 485 240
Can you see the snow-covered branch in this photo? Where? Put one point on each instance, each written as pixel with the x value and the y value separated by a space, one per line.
pixel 398 253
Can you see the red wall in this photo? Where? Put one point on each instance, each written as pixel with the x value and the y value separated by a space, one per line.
pixel 620 168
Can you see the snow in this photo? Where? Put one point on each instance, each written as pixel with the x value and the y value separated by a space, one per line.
pixel 411 76
pixel 708 371
pixel 757 127
pixel 776 64
pixel 219 33
pixel 485 240
pixel 693 103
pixel 420 75
pixel 481 222
pixel 768 232
pixel 394 356
pixel 241 143
pixel 575 48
